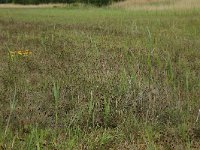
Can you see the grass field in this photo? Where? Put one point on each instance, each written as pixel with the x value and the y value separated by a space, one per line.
pixel 99 78
pixel 158 4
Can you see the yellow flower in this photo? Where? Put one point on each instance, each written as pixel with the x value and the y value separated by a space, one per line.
pixel 20 52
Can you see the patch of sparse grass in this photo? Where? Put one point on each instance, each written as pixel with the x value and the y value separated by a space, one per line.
pixel 99 78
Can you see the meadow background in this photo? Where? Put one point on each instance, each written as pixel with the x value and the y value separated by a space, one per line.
pixel 123 76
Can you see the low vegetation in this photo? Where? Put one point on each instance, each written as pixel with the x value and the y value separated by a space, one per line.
pixel 158 4
pixel 28 2
pixel 99 78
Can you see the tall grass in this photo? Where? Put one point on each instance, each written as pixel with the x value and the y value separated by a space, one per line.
pixel 99 79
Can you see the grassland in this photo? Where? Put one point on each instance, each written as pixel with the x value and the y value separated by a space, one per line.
pixel 31 6
pixel 157 4
pixel 100 78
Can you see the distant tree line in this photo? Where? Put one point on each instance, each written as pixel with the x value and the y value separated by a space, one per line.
pixel 96 2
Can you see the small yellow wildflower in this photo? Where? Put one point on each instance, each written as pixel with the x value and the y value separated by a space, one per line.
pixel 20 52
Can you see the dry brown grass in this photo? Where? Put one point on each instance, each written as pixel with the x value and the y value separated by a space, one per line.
pixel 157 4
